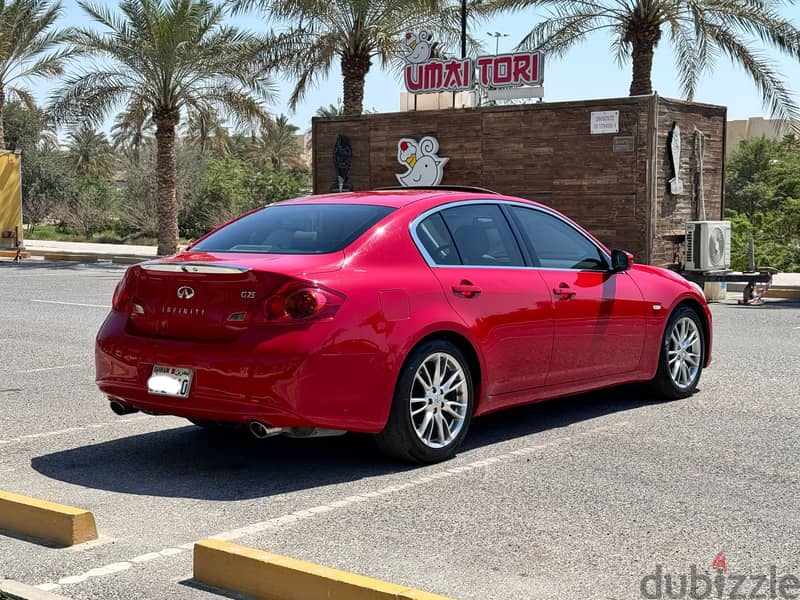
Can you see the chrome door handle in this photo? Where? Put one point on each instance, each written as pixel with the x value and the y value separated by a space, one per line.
pixel 563 291
pixel 466 289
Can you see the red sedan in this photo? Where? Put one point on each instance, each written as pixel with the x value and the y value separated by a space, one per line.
pixel 402 313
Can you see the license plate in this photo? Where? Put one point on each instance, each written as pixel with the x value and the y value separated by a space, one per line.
pixel 170 381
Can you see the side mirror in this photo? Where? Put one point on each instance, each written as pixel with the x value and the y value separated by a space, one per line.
pixel 621 260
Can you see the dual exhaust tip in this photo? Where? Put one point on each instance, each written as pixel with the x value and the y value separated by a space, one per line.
pixel 263 431
pixel 122 409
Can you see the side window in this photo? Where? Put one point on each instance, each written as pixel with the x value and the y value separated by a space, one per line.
pixel 555 244
pixel 483 236
pixel 434 236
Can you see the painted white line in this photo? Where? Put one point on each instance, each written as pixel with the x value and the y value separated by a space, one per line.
pixel 146 557
pixel 311 512
pixel 34 436
pixel 72 303
pixel 50 368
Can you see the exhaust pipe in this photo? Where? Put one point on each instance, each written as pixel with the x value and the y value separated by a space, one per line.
pixel 121 409
pixel 263 431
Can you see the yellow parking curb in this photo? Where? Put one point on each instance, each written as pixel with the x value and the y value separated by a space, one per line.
pixel 274 577
pixel 64 525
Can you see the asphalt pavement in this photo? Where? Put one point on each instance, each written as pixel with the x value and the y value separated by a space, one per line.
pixel 576 498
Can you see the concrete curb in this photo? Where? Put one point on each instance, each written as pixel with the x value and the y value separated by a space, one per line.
pixel 85 257
pixel 14 590
pixel 49 521
pixel 275 577
pixel 777 291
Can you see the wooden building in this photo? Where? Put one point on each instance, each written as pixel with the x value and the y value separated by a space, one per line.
pixel 616 184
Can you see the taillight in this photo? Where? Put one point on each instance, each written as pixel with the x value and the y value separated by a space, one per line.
pixel 304 304
pixel 122 296
pixel 301 304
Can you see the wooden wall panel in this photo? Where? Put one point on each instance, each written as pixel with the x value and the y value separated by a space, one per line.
pixel 672 211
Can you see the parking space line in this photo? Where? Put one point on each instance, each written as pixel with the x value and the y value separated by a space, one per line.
pixel 72 303
pixel 50 368
pixel 44 434
pixel 314 511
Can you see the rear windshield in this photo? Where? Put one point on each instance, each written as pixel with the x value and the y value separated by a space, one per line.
pixel 295 229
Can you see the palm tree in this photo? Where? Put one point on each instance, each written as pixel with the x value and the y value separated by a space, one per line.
pixel 130 131
pixel 30 48
pixel 162 57
pixel 89 152
pixel 700 30
pixel 332 110
pixel 205 131
pixel 352 32
pixel 277 143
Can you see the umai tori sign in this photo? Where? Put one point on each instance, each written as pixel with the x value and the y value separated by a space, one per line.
pixel 426 75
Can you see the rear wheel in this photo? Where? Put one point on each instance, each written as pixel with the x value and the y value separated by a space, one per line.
pixel 432 406
pixel 683 351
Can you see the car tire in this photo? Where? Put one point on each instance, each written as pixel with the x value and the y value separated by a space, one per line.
pixel 432 407
pixel 683 352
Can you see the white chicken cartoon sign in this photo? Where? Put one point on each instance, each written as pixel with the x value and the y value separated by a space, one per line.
pixel 424 165
pixel 420 47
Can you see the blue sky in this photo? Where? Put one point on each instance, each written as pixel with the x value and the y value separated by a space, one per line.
pixel 588 71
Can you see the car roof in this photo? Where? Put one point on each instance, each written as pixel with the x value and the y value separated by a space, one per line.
pixel 397 198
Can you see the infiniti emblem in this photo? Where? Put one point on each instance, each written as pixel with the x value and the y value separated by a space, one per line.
pixel 185 292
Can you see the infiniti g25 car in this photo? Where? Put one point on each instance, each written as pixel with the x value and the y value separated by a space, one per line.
pixel 404 314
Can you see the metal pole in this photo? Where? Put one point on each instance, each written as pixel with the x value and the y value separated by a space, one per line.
pixel 751 253
pixel 463 37
pixel 463 28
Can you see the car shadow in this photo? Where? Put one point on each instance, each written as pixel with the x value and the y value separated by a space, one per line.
pixel 189 462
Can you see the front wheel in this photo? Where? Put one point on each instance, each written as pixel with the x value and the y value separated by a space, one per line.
pixel 683 351
pixel 432 406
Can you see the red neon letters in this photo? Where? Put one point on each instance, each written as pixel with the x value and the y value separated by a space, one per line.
pixel 504 70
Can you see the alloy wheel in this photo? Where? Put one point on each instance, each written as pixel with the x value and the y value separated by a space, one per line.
pixel 684 352
pixel 438 403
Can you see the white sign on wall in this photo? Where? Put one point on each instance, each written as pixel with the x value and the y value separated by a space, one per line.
pixel 424 166
pixel 605 121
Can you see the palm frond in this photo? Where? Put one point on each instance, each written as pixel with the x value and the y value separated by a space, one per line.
pixel 23 96
pixel 88 97
pixel 557 34
pixel 778 99
pixel 236 103
pixel 165 55
pixel 755 19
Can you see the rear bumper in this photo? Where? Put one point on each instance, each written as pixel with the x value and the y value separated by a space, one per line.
pixel 283 378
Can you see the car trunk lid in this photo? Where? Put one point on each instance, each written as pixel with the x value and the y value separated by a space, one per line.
pixel 212 297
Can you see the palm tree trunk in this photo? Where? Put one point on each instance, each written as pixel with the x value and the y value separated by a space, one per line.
pixel 642 55
pixel 2 128
pixel 166 120
pixel 354 69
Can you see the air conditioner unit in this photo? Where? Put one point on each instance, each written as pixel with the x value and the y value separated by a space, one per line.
pixel 708 245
